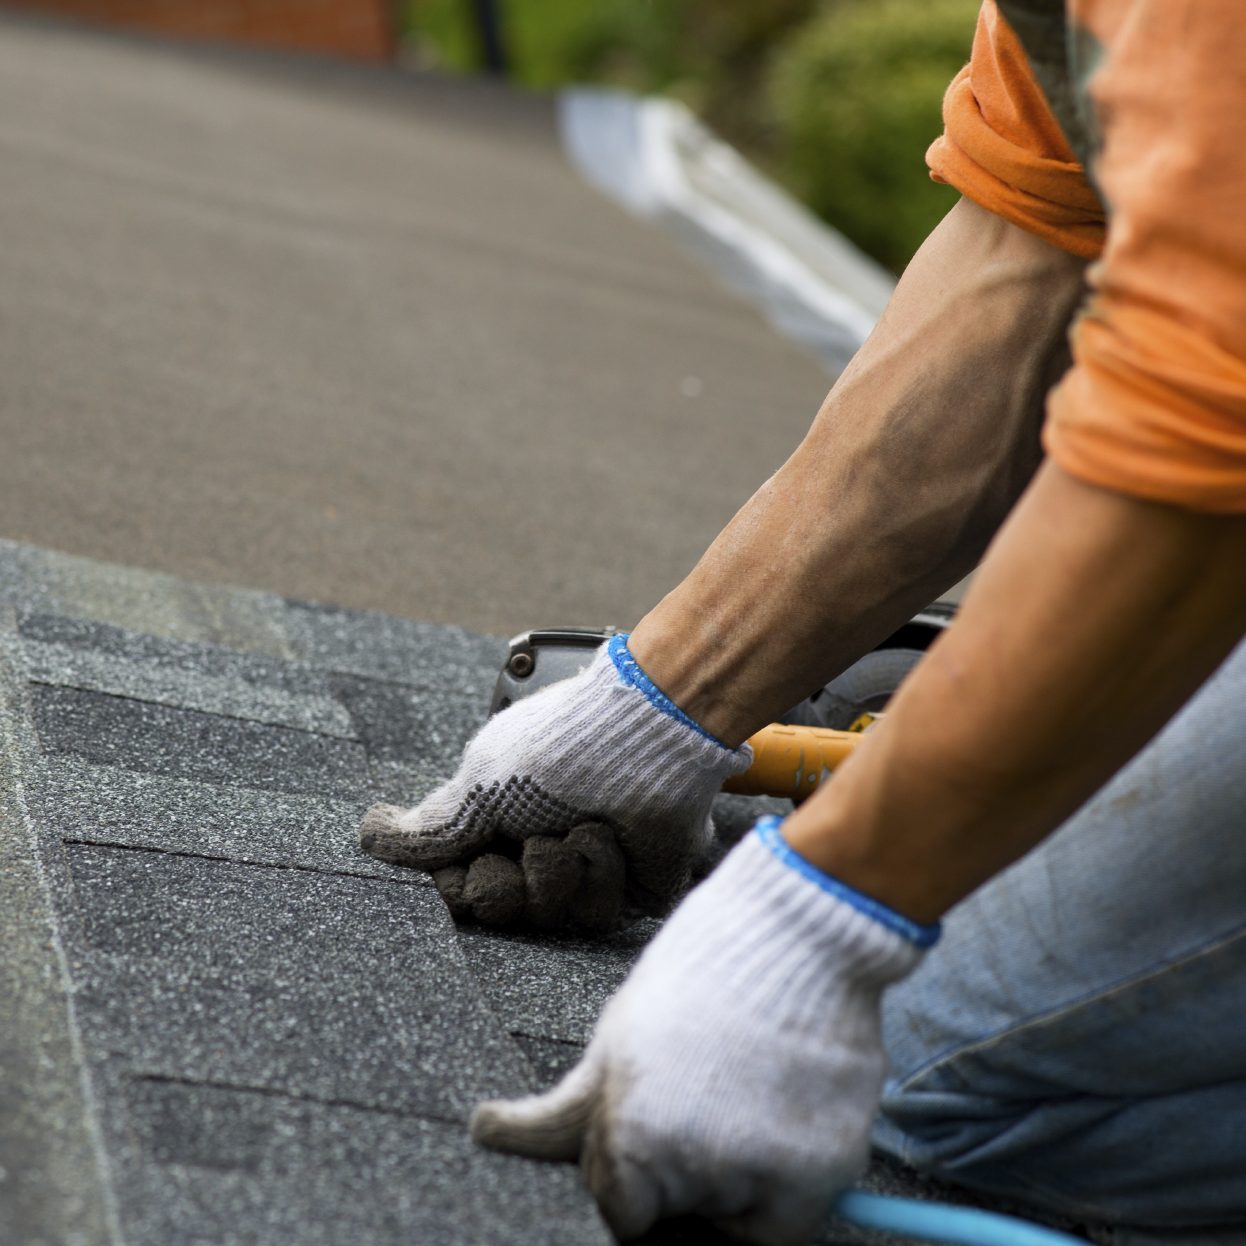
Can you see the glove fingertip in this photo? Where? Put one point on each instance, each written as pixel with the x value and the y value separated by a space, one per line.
pixel 545 1126
pixel 597 905
pixel 450 882
pixel 382 835
pixel 493 890
pixel 552 874
pixel 489 1125
pixel 379 820
pixel 528 1127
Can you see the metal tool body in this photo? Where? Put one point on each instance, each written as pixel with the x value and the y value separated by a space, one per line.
pixel 544 656
pixel 789 759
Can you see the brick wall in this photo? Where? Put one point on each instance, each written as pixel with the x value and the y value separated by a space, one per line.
pixel 355 28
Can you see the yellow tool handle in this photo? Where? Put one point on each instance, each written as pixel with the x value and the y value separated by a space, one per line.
pixel 792 761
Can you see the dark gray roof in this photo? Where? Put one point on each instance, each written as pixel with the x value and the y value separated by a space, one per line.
pixel 219 1020
pixel 357 335
pixel 237 1024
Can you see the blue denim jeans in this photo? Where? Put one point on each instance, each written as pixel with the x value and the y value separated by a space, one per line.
pixel 1077 1040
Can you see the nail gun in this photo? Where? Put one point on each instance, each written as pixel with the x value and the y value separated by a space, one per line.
pixel 791 758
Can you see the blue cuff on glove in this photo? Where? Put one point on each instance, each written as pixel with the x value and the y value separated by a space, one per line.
pixel 630 673
pixel 767 830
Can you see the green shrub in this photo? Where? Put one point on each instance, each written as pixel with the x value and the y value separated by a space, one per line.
pixel 837 98
pixel 550 43
pixel 855 95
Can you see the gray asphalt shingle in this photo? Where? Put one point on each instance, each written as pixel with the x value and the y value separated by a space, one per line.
pixel 339 989
pixel 76 654
pixel 35 580
pixel 417 726
pixel 380 646
pixel 189 744
pixel 220 1165
pixel 131 808
pixel 548 988
pixel 280 1037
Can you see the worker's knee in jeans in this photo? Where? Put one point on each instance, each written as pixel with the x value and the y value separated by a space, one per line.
pixel 937 1129
pixel 970 1116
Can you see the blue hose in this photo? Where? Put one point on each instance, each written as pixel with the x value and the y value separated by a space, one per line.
pixel 940 1222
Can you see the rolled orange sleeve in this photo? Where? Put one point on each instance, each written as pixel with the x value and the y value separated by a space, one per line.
pixel 1155 405
pixel 1154 409
pixel 1002 147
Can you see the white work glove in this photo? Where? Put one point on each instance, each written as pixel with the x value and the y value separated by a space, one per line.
pixel 737 1071
pixel 578 805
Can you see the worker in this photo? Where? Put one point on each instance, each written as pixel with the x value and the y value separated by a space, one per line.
pixel 1073 1042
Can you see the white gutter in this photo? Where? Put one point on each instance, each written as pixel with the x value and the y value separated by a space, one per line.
pixel 654 158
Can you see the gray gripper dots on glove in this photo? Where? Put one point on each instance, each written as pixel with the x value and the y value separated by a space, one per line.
pixel 516 807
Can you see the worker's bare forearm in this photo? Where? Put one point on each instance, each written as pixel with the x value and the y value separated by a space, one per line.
pixel 913 461
pixel 1093 617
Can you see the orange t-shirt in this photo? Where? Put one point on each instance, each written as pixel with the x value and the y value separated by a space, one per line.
pixel 1155 404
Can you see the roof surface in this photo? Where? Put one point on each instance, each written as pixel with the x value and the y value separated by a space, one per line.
pixel 357 335
pixel 219 1020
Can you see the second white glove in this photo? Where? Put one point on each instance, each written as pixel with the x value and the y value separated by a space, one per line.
pixel 737 1071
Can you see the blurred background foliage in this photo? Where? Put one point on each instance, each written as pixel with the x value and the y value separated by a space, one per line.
pixel 837 99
